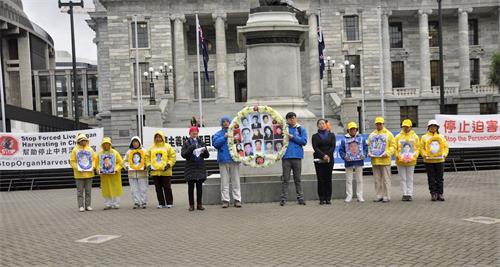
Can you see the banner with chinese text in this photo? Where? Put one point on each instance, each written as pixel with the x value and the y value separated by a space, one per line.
pixel 31 151
pixel 470 130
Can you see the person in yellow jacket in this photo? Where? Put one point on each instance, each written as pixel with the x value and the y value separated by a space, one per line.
pixel 160 159
pixel 381 147
pixel 109 168
pixel 407 150
pixel 83 160
pixel 434 150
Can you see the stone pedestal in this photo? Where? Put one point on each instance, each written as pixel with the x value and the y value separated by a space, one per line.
pixel 153 116
pixel 349 111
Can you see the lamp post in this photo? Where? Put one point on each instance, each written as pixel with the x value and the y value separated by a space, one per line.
pixel 348 71
pixel 165 69
pixel 329 63
pixel 441 63
pixel 152 75
pixel 71 4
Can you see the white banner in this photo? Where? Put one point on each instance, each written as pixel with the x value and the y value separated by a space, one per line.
pixel 470 130
pixel 25 151
pixel 176 137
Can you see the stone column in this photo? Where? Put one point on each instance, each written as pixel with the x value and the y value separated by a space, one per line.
pixel 425 64
pixel 386 52
pixel 498 28
pixel 221 57
pixel 463 43
pixel 181 93
pixel 313 54
pixel 25 83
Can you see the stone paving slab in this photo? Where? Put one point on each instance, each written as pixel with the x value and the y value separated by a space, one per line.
pixel 41 227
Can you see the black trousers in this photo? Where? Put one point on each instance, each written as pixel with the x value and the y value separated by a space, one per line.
pixel 435 177
pixel 163 189
pixel 324 175
pixel 199 192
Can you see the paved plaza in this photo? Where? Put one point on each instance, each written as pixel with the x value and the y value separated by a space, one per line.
pixel 41 227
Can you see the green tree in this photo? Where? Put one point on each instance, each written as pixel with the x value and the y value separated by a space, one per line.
pixel 494 77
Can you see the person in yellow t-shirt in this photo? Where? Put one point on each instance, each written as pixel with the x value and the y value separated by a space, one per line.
pixel 83 160
pixel 109 168
pixel 407 149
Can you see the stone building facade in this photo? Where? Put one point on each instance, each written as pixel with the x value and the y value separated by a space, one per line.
pixel 393 45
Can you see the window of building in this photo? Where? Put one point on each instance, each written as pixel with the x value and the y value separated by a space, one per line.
pixel 142 34
pixel 46 105
pixel 409 112
pixel 38 55
pixel 433 33
pixel 398 74
pixel 143 67
pixel 355 75
pixel 44 82
pixel 473 32
pixel 351 27
pixel 92 84
pixel 61 85
pixel 451 109
pixel 13 49
pixel 79 84
pixel 207 87
pixel 208 34
pixel 92 106
pixel 62 107
pixel 488 108
pixel 474 71
pixel 434 72
pixel 396 34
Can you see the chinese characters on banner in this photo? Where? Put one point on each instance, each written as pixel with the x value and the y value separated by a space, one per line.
pixel 177 136
pixel 470 130
pixel 25 151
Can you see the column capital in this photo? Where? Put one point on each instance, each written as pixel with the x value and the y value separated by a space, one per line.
pixel 222 15
pixel 386 12
pixel 180 17
pixel 465 10
pixel 311 12
pixel 424 12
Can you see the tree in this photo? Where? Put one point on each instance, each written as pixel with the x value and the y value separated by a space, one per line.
pixel 494 77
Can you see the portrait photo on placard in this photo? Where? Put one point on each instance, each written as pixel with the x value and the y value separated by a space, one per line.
pixel 257 145
pixel 407 152
pixel 278 131
pixel 377 144
pixel 354 150
pixel 84 161
pixel 257 134
pixel 269 147
pixel 245 122
pixel 107 163
pixel 278 144
pixel 237 135
pixel 266 121
pixel 137 160
pixel 239 150
pixel 255 119
pixel 268 133
pixel 248 149
pixel 246 135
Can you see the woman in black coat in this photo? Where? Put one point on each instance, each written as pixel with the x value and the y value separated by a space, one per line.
pixel 323 143
pixel 195 152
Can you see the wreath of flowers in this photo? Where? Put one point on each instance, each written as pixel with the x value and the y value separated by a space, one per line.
pixel 142 163
pixel 257 159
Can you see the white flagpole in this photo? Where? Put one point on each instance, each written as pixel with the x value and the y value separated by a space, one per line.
pixel 321 80
pixel 4 119
pixel 138 84
pixel 199 76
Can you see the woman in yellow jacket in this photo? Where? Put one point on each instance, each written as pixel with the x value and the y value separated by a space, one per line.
pixel 83 160
pixel 407 147
pixel 434 150
pixel 109 168
pixel 160 159
pixel 380 149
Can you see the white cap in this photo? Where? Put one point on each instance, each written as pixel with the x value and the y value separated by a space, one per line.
pixel 432 122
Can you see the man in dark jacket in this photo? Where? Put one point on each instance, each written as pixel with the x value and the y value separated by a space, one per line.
pixel 229 170
pixel 292 160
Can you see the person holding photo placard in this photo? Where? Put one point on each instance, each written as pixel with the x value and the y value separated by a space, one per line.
pixel 160 159
pixel 353 149
pixel 109 168
pixel 407 150
pixel 135 164
pixel 434 150
pixel 381 146
pixel 83 160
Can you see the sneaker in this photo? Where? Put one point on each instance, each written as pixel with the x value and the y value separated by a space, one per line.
pixel 170 206
pixel 409 198
pixel 136 206
pixel 385 200
pixel 282 202
pixel 322 202
pixel 378 200
pixel 361 199
pixel 191 208
pixel 225 204
pixel 301 202
pixel 115 207
pixel 200 207
pixel 81 209
pixel 143 206
pixel 404 198
pixel 328 202
pixel 347 199
pixel 89 208
pixel 237 204
pixel 159 207
pixel 440 197
pixel 434 196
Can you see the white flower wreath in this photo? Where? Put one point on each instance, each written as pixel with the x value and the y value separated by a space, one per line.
pixel 240 144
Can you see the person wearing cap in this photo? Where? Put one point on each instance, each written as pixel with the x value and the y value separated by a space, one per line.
pixel 111 180
pixel 83 179
pixel 323 143
pixel 229 169
pixel 161 177
pixel 195 152
pixel 353 164
pixel 292 159
pixel 434 165
pixel 407 150
pixel 138 179
pixel 381 164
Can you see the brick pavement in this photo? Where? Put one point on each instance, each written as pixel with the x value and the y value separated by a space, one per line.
pixel 40 228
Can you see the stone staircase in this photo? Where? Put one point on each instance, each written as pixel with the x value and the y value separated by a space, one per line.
pixel 332 112
pixel 180 114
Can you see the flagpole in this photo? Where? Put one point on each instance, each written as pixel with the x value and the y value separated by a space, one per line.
pixel 138 83
pixel 198 60
pixel 2 95
pixel 321 80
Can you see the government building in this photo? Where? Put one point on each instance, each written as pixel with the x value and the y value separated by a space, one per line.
pixel 392 45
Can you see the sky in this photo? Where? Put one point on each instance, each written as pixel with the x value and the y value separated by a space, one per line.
pixel 47 15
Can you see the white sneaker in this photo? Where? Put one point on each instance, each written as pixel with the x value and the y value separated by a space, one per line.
pixel 170 206
pixel 115 207
pixel 82 209
pixel 89 208
pixel 348 199
pixel 361 199
pixel 159 207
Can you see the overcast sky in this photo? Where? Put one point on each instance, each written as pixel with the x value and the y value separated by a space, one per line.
pixel 46 14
